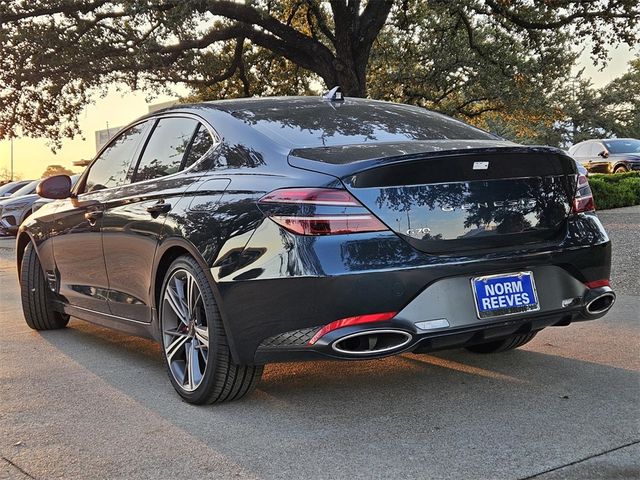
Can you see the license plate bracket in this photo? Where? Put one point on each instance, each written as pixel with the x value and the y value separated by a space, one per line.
pixel 504 294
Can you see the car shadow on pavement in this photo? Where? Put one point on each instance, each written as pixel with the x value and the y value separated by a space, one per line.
pixel 522 404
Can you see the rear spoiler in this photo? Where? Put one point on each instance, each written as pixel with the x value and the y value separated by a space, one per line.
pixel 343 161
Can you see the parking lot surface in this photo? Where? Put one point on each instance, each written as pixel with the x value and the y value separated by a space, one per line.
pixel 86 402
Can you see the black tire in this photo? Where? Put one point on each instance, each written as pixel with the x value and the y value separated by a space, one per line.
pixel 223 380
pixel 509 343
pixel 620 169
pixel 35 295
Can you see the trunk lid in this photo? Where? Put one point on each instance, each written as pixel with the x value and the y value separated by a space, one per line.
pixel 442 201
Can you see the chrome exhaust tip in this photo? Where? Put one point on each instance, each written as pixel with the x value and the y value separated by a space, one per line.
pixel 598 301
pixel 372 342
pixel 601 304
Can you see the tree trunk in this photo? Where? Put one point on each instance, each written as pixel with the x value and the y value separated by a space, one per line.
pixel 349 68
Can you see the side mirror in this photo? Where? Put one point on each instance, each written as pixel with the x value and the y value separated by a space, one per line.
pixel 56 187
pixel 604 154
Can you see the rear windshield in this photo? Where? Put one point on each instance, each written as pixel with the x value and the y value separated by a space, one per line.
pixel 304 124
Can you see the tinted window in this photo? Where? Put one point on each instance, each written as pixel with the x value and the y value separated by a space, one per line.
pixel 166 148
pixel 27 189
pixel 11 187
pixel 595 149
pixel 623 146
pixel 111 168
pixel 201 144
pixel 580 150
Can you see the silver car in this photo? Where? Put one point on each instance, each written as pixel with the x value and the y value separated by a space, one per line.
pixel 10 188
pixel 17 207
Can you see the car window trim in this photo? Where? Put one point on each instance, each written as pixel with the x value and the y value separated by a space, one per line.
pixel 136 161
pixel 81 183
pixel 188 150
pixel 146 143
pixel 602 148
pixel 217 141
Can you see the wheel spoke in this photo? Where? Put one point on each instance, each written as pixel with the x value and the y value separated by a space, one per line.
pixel 197 372
pixel 192 367
pixel 175 346
pixel 174 333
pixel 190 295
pixel 176 304
pixel 202 334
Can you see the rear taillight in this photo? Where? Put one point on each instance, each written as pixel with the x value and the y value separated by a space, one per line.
pixel 350 321
pixel 583 201
pixel 319 211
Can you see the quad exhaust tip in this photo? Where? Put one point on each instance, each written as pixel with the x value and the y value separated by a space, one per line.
pixel 372 342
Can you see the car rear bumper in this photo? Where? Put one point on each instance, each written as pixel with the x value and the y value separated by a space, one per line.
pixel 278 301
pixel 423 332
pixel 420 342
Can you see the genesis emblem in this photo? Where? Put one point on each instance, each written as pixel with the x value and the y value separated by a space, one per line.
pixel 480 165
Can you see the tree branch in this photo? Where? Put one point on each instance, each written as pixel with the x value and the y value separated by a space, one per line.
pixel 562 21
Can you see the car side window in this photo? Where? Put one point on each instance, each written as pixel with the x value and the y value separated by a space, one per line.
pixel 111 168
pixel 585 150
pixel 577 151
pixel 594 149
pixel 200 145
pixel 166 148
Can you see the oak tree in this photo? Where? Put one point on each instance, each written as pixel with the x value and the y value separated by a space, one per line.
pixel 465 57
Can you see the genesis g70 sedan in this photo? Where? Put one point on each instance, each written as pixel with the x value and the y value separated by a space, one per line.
pixel 242 232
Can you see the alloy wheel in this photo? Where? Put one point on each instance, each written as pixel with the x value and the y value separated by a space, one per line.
pixel 184 329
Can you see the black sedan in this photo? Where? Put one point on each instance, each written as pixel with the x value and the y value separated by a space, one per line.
pixel 243 232
pixel 618 155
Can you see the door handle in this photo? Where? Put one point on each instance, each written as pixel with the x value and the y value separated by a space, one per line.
pixel 93 216
pixel 159 208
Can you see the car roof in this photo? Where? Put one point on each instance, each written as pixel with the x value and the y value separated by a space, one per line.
pixel 10 185
pixel 306 122
pixel 625 139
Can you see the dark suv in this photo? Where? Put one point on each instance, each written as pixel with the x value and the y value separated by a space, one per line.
pixel 617 155
pixel 243 232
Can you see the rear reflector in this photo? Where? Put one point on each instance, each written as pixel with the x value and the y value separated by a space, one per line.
pixel 598 283
pixel 583 201
pixel 350 216
pixel 349 321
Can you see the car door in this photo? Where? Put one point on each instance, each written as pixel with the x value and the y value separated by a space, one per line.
pixel 580 154
pixel 77 242
pixel 598 162
pixel 134 218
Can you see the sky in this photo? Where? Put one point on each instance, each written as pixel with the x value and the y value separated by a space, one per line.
pixel 118 108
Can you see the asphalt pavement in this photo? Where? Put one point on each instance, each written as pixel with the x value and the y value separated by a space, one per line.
pixel 86 402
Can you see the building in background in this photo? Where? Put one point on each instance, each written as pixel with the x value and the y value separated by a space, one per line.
pixel 159 106
pixel 103 136
pixel 81 163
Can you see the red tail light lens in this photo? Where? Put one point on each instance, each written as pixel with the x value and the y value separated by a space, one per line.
pixel 349 217
pixel 349 321
pixel 583 201
pixel 311 196
pixel 598 283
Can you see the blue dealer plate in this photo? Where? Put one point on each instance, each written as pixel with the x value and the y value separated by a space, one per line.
pixel 508 294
